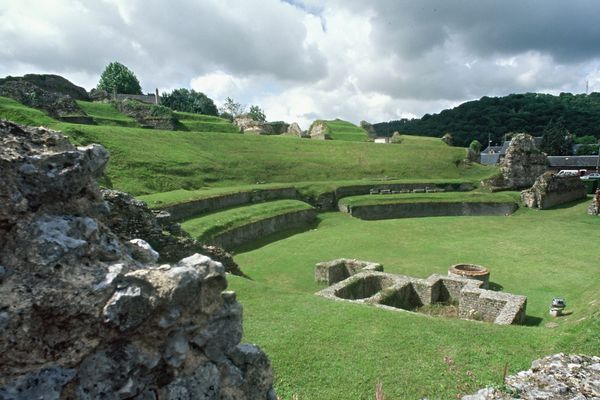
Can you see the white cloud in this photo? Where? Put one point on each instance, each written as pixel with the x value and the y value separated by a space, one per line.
pixel 306 59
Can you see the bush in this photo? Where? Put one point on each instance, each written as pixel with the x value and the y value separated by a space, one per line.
pixel 119 78
pixel 189 101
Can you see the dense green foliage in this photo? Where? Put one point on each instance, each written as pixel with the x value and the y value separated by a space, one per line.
pixel 313 341
pixel 117 77
pixel 344 130
pixel 257 114
pixel 231 109
pixel 207 226
pixel 497 116
pixel 189 101
pixel 556 140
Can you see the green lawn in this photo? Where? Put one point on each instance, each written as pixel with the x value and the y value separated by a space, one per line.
pixel 106 114
pixel 205 123
pixel 449 197
pixel 344 130
pixel 324 349
pixel 210 225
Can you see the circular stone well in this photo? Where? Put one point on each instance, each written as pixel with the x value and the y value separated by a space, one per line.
pixel 471 271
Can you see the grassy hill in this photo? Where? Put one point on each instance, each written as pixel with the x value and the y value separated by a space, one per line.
pixel 145 161
pixel 205 123
pixel 107 114
pixel 344 130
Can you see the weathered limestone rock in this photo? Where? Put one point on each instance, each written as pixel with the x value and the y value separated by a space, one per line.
pixel 131 219
pixel 523 163
pixel 56 105
pixel 53 84
pixel 556 377
pixel 148 115
pixel 550 190
pixel 80 317
pixel 371 133
pixel 448 139
pixel 248 125
pixel 294 130
pixel 319 130
pixel 594 208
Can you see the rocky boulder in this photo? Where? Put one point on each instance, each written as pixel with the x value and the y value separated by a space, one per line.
pixel 319 130
pixel 31 95
pixel 550 190
pixel 522 164
pixel 53 84
pixel 556 377
pixel 130 218
pixel 247 124
pixel 295 130
pixel 81 317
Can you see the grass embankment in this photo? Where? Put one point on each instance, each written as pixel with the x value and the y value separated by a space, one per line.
pixel 449 197
pixel 210 225
pixel 324 349
pixel 107 114
pixel 344 130
pixel 204 123
pixel 145 161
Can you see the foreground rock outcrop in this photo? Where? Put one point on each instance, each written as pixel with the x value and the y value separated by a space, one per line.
pixel 86 315
pixel 556 377
pixel 130 218
pixel 522 164
pixel 550 190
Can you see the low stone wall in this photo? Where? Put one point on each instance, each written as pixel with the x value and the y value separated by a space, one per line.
pixel 432 209
pixel 331 272
pixel 399 292
pixel 194 208
pixel 550 190
pixel 328 201
pixel 258 229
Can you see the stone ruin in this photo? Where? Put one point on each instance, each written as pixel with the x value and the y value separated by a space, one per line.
pixel 331 272
pixel 319 130
pixel 369 128
pixel 556 377
pixel 295 130
pixel 471 271
pixel 594 208
pixel 550 190
pixel 247 124
pixel 522 164
pixel 86 315
pixel 399 292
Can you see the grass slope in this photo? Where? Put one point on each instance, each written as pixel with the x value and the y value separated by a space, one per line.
pixel 145 161
pixel 324 349
pixel 107 114
pixel 205 123
pixel 344 130
pixel 207 226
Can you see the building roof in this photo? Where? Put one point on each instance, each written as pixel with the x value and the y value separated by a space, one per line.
pixel 573 161
pixel 489 159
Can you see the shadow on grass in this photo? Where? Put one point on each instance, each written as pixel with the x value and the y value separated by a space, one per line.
pixel 530 320
pixel 572 203
pixel 496 287
pixel 256 244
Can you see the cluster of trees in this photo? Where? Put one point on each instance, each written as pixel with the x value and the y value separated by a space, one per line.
pixel 116 77
pixel 494 117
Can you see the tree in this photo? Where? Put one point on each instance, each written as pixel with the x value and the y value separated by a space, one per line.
pixel 232 108
pixel 257 114
pixel 189 101
pixel 556 140
pixel 475 146
pixel 119 78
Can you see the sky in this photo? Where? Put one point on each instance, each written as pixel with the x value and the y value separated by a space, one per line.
pixel 301 60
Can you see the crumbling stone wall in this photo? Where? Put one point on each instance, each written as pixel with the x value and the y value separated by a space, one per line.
pixel 521 165
pixel 594 208
pixel 85 315
pixel 333 271
pixel 399 292
pixel 319 130
pixel 550 190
